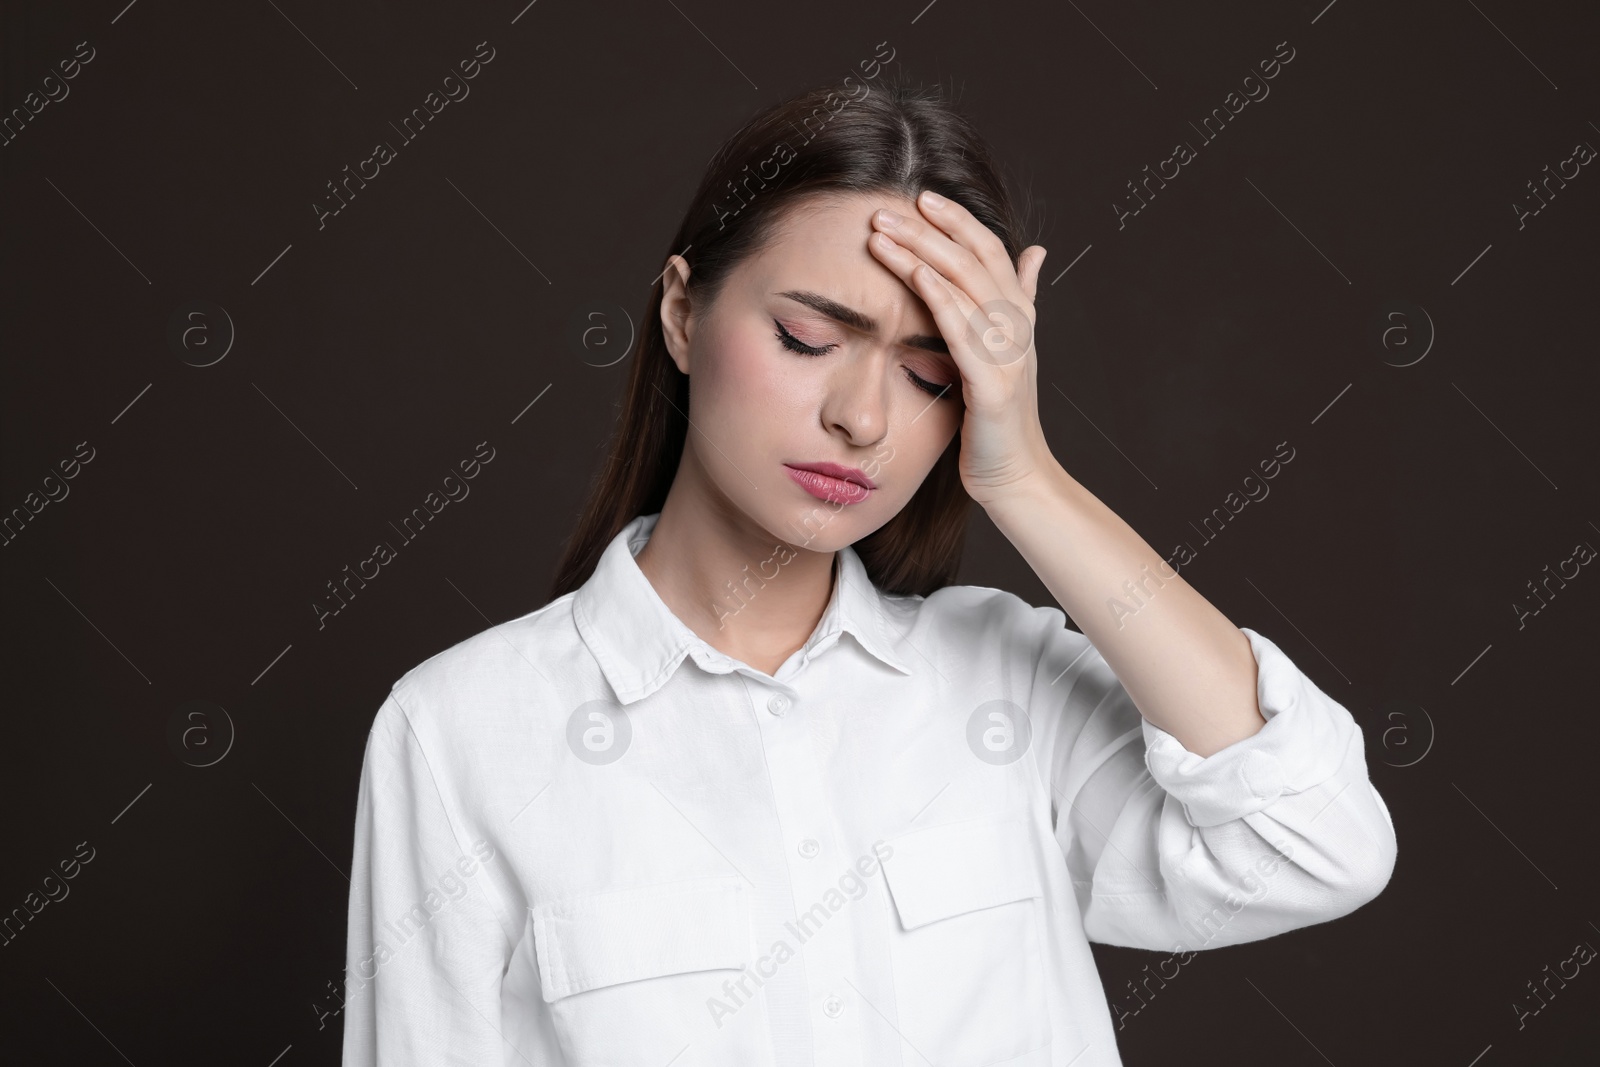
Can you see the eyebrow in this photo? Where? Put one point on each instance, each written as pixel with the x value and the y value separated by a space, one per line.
pixel 860 321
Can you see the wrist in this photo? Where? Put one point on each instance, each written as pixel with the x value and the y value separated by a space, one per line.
pixel 1045 481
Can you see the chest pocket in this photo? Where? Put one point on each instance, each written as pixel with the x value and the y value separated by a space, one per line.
pixel 636 976
pixel 968 968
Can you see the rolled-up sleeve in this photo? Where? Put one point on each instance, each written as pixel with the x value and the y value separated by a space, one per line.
pixel 426 948
pixel 1168 849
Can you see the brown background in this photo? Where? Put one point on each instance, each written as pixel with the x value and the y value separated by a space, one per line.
pixel 1242 308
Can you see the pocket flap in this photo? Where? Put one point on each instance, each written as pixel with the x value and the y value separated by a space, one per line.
pixel 959 867
pixel 624 935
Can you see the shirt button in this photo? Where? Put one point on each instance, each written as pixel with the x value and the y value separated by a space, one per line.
pixel 809 848
pixel 833 1007
pixel 778 704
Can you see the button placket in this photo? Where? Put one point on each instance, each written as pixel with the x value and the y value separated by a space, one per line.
pixel 800 795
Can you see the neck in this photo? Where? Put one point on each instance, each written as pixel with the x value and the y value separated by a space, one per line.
pixel 749 595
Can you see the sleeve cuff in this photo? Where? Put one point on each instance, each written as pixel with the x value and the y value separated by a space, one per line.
pixel 1301 745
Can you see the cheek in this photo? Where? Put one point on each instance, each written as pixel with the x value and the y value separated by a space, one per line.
pixel 744 384
pixel 901 462
pixel 920 445
pixel 925 425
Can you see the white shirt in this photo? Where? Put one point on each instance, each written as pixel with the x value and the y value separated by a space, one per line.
pixel 573 847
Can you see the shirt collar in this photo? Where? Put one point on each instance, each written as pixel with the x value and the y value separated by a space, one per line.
pixel 639 642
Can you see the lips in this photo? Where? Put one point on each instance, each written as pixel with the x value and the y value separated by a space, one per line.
pixel 835 470
pixel 831 482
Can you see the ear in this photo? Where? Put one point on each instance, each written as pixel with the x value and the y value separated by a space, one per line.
pixel 675 310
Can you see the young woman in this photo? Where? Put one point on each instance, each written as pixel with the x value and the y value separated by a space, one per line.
pixel 760 786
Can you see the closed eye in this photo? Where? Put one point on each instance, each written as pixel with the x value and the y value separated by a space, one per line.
pixel 794 344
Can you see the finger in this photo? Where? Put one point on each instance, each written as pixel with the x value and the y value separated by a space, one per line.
pixel 948 314
pixel 904 263
pixel 968 231
pixel 1028 275
pixel 964 228
pixel 997 332
pixel 956 262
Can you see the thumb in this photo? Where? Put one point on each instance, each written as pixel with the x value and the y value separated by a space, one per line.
pixel 1033 264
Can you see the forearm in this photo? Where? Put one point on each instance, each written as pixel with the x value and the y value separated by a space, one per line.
pixel 1189 670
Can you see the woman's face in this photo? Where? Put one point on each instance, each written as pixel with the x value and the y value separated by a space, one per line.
pixel 813 353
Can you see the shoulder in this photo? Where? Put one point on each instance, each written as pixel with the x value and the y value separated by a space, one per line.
pixel 996 621
pixel 493 678
pixel 982 609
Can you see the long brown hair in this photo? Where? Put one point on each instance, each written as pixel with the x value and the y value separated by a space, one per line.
pixel 897 139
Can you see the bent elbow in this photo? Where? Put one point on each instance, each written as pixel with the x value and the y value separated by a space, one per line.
pixel 1362 874
pixel 1379 859
pixel 1361 869
pixel 1378 868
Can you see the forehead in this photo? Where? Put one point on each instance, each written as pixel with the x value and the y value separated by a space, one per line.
pixel 820 244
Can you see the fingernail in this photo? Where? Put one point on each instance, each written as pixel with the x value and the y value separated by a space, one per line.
pixel 888 218
pixel 932 199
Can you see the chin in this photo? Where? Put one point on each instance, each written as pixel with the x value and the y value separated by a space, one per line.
pixel 823 527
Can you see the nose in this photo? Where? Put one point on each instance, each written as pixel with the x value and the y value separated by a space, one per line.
pixel 857 401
